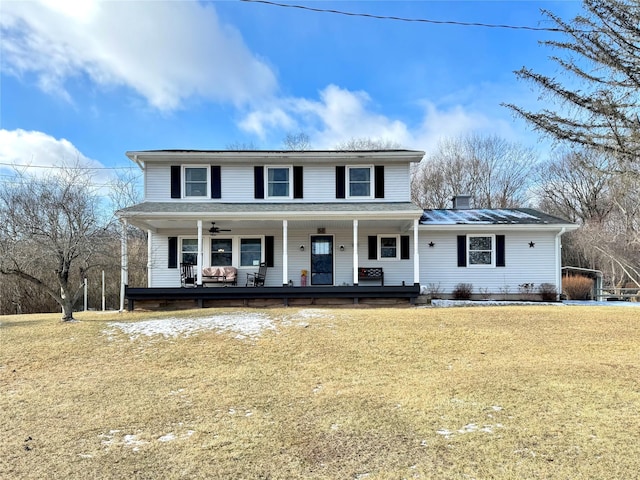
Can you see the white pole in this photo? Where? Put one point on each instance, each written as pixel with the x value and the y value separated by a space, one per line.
pixel 85 294
pixel 149 254
pixel 199 260
pixel 103 297
pixel 123 271
pixel 416 253
pixel 285 253
pixel 355 252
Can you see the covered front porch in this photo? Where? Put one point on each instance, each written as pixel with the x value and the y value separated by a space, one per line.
pixel 268 296
pixel 330 251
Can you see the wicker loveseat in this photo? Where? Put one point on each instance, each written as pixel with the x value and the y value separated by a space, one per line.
pixel 220 275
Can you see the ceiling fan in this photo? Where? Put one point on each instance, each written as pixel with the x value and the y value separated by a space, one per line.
pixel 214 230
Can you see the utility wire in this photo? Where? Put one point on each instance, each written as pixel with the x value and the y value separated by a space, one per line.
pixel 16 165
pixel 405 19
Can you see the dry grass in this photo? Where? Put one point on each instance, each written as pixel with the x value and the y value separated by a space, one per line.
pixel 504 392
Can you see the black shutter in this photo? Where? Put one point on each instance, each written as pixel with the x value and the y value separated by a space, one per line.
pixel 297 182
pixel 379 178
pixel 216 182
pixel 500 251
pixel 373 247
pixel 340 178
pixel 404 247
pixel 269 256
pixel 176 182
pixel 258 182
pixel 173 252
pixel 462 250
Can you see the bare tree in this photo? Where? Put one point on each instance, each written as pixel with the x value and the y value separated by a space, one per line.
pixel 495 172
pixel 50 233
pixel 596 105
pixel 575 184
pixel 297 141
pixel 587 187
pixel 367 143
pixel 239 146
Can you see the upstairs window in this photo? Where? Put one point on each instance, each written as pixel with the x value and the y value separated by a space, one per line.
pixel 195 182
pixel 481 250
pixel 278 182
pixel 221 252
pixel 359 182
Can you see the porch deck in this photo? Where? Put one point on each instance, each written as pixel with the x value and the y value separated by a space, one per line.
pixel 203 295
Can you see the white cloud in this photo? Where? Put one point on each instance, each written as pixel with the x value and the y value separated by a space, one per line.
pixel 25 151
pixel 166 51
pixel 340 115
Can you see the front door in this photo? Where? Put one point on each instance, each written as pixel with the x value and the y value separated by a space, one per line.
pixel 321 260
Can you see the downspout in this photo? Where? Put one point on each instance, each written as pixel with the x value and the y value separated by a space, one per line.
pixel 559 260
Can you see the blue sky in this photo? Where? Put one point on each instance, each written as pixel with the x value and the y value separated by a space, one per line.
pixel 88 80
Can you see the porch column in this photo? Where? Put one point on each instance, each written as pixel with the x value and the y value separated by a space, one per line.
pixel 199 261
pixel 149 253
pixel 416 255
pixel 285 252
pixel 124 262
pixel 355 252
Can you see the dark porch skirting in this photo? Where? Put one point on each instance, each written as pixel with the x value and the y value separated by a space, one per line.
pixel 202 295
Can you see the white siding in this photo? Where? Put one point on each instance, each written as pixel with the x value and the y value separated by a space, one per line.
pixel 157 182
pixel 395 271
pixel 319 183
pixel 439 264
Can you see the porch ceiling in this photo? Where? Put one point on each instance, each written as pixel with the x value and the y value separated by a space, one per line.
pixel 389 225
pixel 258 216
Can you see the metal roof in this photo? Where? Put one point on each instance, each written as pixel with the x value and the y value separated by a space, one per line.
pixel 499 216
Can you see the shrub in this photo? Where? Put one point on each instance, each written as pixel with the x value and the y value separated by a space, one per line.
pixel 526 290
pixel 462 291
pixel 577 287
pixel 485 294
pixel 434 290
pixel 548 292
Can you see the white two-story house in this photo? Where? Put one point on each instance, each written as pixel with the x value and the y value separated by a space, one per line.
pixel 330 219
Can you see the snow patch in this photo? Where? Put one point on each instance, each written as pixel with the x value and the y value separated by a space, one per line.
pixel 245 325
pixel 487 303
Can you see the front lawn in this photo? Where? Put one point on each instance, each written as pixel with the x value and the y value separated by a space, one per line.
pixel 494 392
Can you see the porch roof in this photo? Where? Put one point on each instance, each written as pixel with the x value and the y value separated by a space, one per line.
pixel 151 214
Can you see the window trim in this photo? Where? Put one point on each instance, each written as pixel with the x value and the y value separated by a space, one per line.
pixel 266 182
pixel 211 252
pixel 347 180
pixel 493 250
pixel 236 244
pixel 389 259
pixel 184 182
pixel 239 239
pixel 181 248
